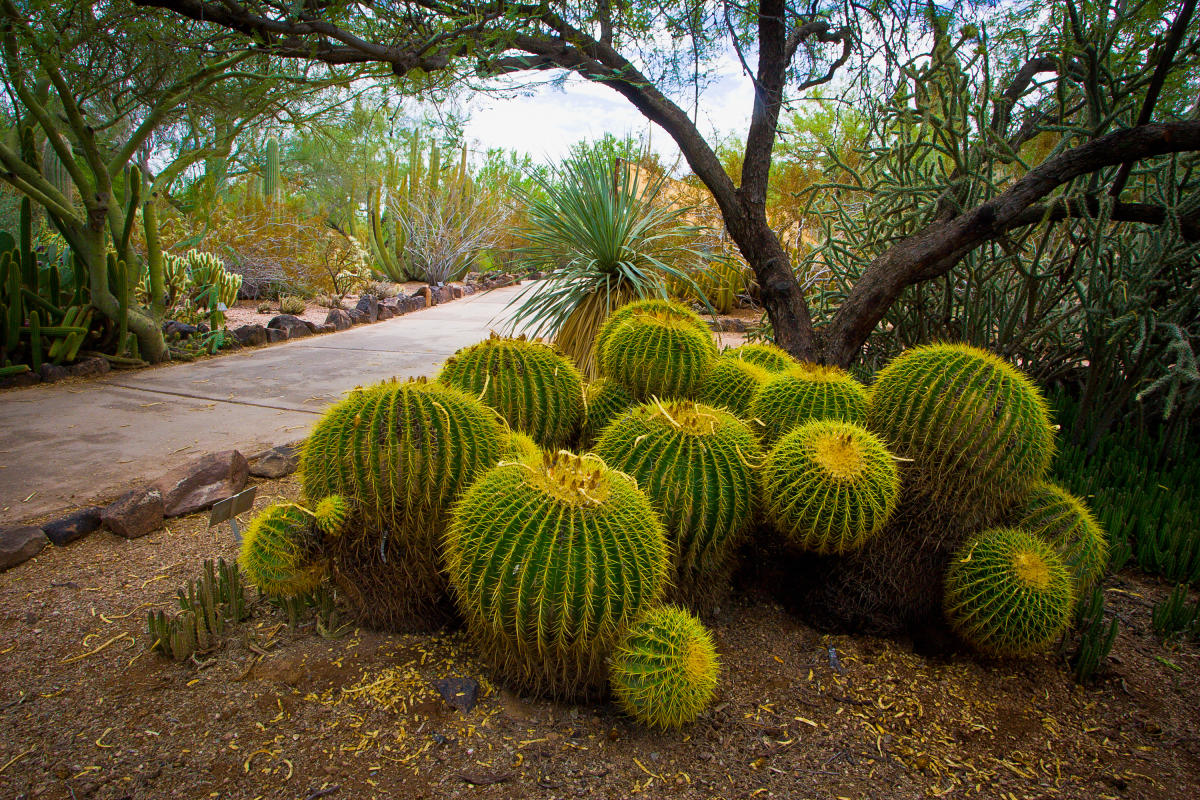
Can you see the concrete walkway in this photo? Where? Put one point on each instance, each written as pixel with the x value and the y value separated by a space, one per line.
pixel 64 445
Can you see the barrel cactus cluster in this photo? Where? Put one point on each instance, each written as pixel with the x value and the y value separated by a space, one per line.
pixel 582 531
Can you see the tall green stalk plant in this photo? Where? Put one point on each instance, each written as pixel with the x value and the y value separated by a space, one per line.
pixel 599 227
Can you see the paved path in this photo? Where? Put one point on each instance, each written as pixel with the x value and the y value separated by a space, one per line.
pixel 63 445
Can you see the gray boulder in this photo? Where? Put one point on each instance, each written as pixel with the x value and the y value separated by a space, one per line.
pixel 200 483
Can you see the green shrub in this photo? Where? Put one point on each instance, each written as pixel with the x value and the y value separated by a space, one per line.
pixel 290 304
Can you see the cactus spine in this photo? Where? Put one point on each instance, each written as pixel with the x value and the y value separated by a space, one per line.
pixel 765 355
pixel 604 401
pixel 1061 519
pixel 653 348
pixel 807 392
pixel 280 552
pixel 733 383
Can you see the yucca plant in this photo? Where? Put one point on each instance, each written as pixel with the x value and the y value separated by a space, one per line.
pixel 602 229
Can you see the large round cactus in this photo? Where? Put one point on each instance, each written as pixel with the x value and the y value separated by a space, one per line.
pixel 656 350
pixel 733 383
pixel 550 564
pixel 1008 593
pixel 696 463
pixel 664 671
pixel 804 392
pixel 605 400
pixel 977 431
pixel 830 486
pixel 533 386
pixel 765 355
pixel 281 551
pixel 1061 519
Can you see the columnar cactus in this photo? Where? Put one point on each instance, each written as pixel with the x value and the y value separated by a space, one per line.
pixel 830 486
pixel 806 392
pixel 697 465
pixel 765 355
pixel 664 671
pixel 550 564
pixel 655 350
pixel 534 387
pixel 1061 519
pixel 1008 593
pixel 281 553
pixel 733 383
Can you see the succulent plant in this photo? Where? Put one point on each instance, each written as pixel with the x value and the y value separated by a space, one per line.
pixel 805 392
pixel 653 348
pixel 280 552
pixel 533 386
pixel 1064 521
pixel 664 670
pixel 830 486
pixel 1008 593
pixel 519 446
pixel 550 563
pixel 977 431
pixel 763 354
pixel 332 515
pixel 732 383
pixel 604 400
pixel 696 463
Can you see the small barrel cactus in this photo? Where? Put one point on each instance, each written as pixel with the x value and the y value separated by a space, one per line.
pixel 280 552
pixel 664 671
pixel 806 392
pixel 519 446
pixel 533 386
pixel 1060 518
pixel 697 465
pixel 604 401
pixel 656 350
pixel 549 564
pixel 1008 593
pixel 762 354
pixel 650 305
pixel 332 515
pixel 830 486
pixel 977 431
pixel 732 383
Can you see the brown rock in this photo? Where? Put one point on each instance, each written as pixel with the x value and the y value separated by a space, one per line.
pixel 89 367
pixel 426 293
pixel 73 526
pixel 135 513
pixel 339 319
pixel 294 326
pixel 18 545
pixel 22 379
pixel 250 335
pixel 368 305
pixel 199 484
pixel 385 313
pixel 276 462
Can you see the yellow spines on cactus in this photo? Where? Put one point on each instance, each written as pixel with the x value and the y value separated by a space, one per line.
pixel 807 392
pixel 1007 593
pixel 332 515
pixel 1064 521
pixel 519 446
pixel 604 400
pixel 664 670
pixel 696 463
pixel 830 486
pixel 977 430
pixel 550 563
pixel 732 383
pixel 533 386
pixel 765 355
pixel 656 349
pixel 280 552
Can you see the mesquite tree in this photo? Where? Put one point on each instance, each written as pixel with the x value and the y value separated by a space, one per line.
pixel 647 52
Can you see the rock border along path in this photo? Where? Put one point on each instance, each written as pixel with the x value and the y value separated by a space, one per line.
pixel 65 445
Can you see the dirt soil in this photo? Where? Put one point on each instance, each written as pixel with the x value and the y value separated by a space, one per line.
pixel 88 712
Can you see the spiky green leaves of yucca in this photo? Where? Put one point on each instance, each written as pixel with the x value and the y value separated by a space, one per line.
pixel 829 486
pixel 533 386
pixel 732 383
pixel 664 671
pixel 1008 593
pixel 806 392
pixel 654 348
pixel 280 551
pixel 697 464
pixel 604 401
pixel 977 430
pixel 549 564
pixel 1061 519
pixel 763 354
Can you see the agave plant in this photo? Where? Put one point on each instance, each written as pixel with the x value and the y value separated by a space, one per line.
pixel 600 229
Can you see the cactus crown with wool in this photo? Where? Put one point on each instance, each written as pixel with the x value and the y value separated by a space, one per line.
pixel 977 430
pixel 1008 593
pixel 604 401
pixel 656 350
pixel 1061 519
pixel 765 355
pixel 830 486
pixel 697 464
pixel 807 392
pixel 533 386
pixel 732 383
pixel 664 671
pixel 550 563
pixel 280 551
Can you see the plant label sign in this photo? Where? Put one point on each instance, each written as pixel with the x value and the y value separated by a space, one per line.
pixel 230 507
